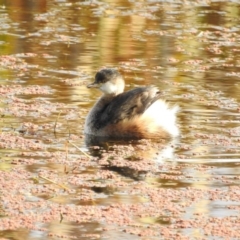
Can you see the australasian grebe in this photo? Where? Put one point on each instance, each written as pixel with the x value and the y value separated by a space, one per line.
pixel 135 114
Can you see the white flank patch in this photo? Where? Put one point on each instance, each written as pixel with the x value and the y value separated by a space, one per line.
pixel 164 116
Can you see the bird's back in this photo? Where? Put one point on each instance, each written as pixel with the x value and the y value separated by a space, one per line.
pixel 138 113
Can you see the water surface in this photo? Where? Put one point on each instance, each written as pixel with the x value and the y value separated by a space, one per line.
pixel 190 50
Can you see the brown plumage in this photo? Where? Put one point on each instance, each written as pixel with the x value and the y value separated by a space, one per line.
pixel 135 114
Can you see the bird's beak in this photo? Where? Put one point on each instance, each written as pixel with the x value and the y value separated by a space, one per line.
pixel 93 85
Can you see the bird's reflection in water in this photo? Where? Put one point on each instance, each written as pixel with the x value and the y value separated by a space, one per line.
pixel 130 150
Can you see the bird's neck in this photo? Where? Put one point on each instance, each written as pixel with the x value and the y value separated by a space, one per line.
pixel 102 102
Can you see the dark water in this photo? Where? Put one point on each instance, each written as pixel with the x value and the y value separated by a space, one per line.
pixel 189 49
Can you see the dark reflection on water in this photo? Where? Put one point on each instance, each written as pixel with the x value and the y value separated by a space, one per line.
pixel 190 51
